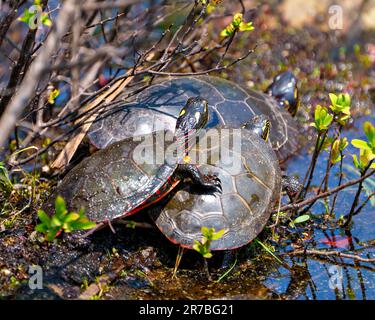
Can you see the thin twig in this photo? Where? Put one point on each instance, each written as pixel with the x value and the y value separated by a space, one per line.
pixel 329 253
pixel 29 83
pixel 303 203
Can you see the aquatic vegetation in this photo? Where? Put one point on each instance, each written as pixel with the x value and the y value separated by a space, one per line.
pixel 62 220
pixel 333 123
pixel 5 183
pixel 366 149
pixel 237 25
pixel 208 235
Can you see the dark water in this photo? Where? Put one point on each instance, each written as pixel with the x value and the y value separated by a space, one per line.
pixel 356 277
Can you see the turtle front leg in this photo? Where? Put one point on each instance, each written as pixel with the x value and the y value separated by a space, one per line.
pixel 291 185
pixel 207 181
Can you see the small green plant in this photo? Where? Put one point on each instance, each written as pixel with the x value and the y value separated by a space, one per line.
pixel 269 249
pixel 366 148
pixel 209 235
pixel 5 182
pixel 337 148
pixel 299 219
pixel 131 224
pixel 85 283
pixel 362 58
pixel 340 105
pixel 329 121
pixel 211 6
pixel 322 119
pixel 62 220
pixel 237 24
pixel 54 93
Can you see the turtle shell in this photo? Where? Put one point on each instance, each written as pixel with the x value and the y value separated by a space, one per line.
pixel 116 180
pixel 158 106
pixel 251 182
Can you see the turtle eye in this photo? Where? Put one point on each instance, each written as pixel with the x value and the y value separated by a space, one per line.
pixel 183 111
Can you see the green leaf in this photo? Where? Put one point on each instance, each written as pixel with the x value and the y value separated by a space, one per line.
pixel 228 31
pixel 44 217
pixel 301 219
pixel 55 222
pixel 42 228
pixel 60 207
pixel 365 156
pixel 217 235
pixel 356 162
pixel 322 118
pixel 344 99
pixel 71 217
pixel 269 250
pixel 46 20
pixel 237 24
pixel 369 130
pixel 82 225
pixel 30 15
pixel 360 144
pixel 327 120
pixel 343 143
pixel 62 221
pixel 52 233
pixel 53 95
pixel 237 20
pixel 333 98
pixel 196 245
pixel 206 232
pixel 246 26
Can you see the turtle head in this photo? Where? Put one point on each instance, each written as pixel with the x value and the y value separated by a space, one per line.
pixel 260 125
pixel 192 118
pixel 284 90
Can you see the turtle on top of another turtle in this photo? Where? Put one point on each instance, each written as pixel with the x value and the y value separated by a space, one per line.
pixel 158 106
pixel 251 182
pixel 112 184
pixel 249 193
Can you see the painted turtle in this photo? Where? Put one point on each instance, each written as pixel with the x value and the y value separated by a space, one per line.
pixel 158 106
pixel 114 183
pixel 250 190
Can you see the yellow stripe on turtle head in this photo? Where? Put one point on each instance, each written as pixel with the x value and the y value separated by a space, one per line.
pixel 183 111
pixel 266 130
pixel 186 159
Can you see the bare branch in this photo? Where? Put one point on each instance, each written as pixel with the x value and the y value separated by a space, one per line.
pixel 329 253
pixel 29 83
pixel 301 204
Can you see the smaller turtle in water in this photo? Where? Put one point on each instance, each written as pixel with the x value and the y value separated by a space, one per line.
pixel 112 183
pixel 251 181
